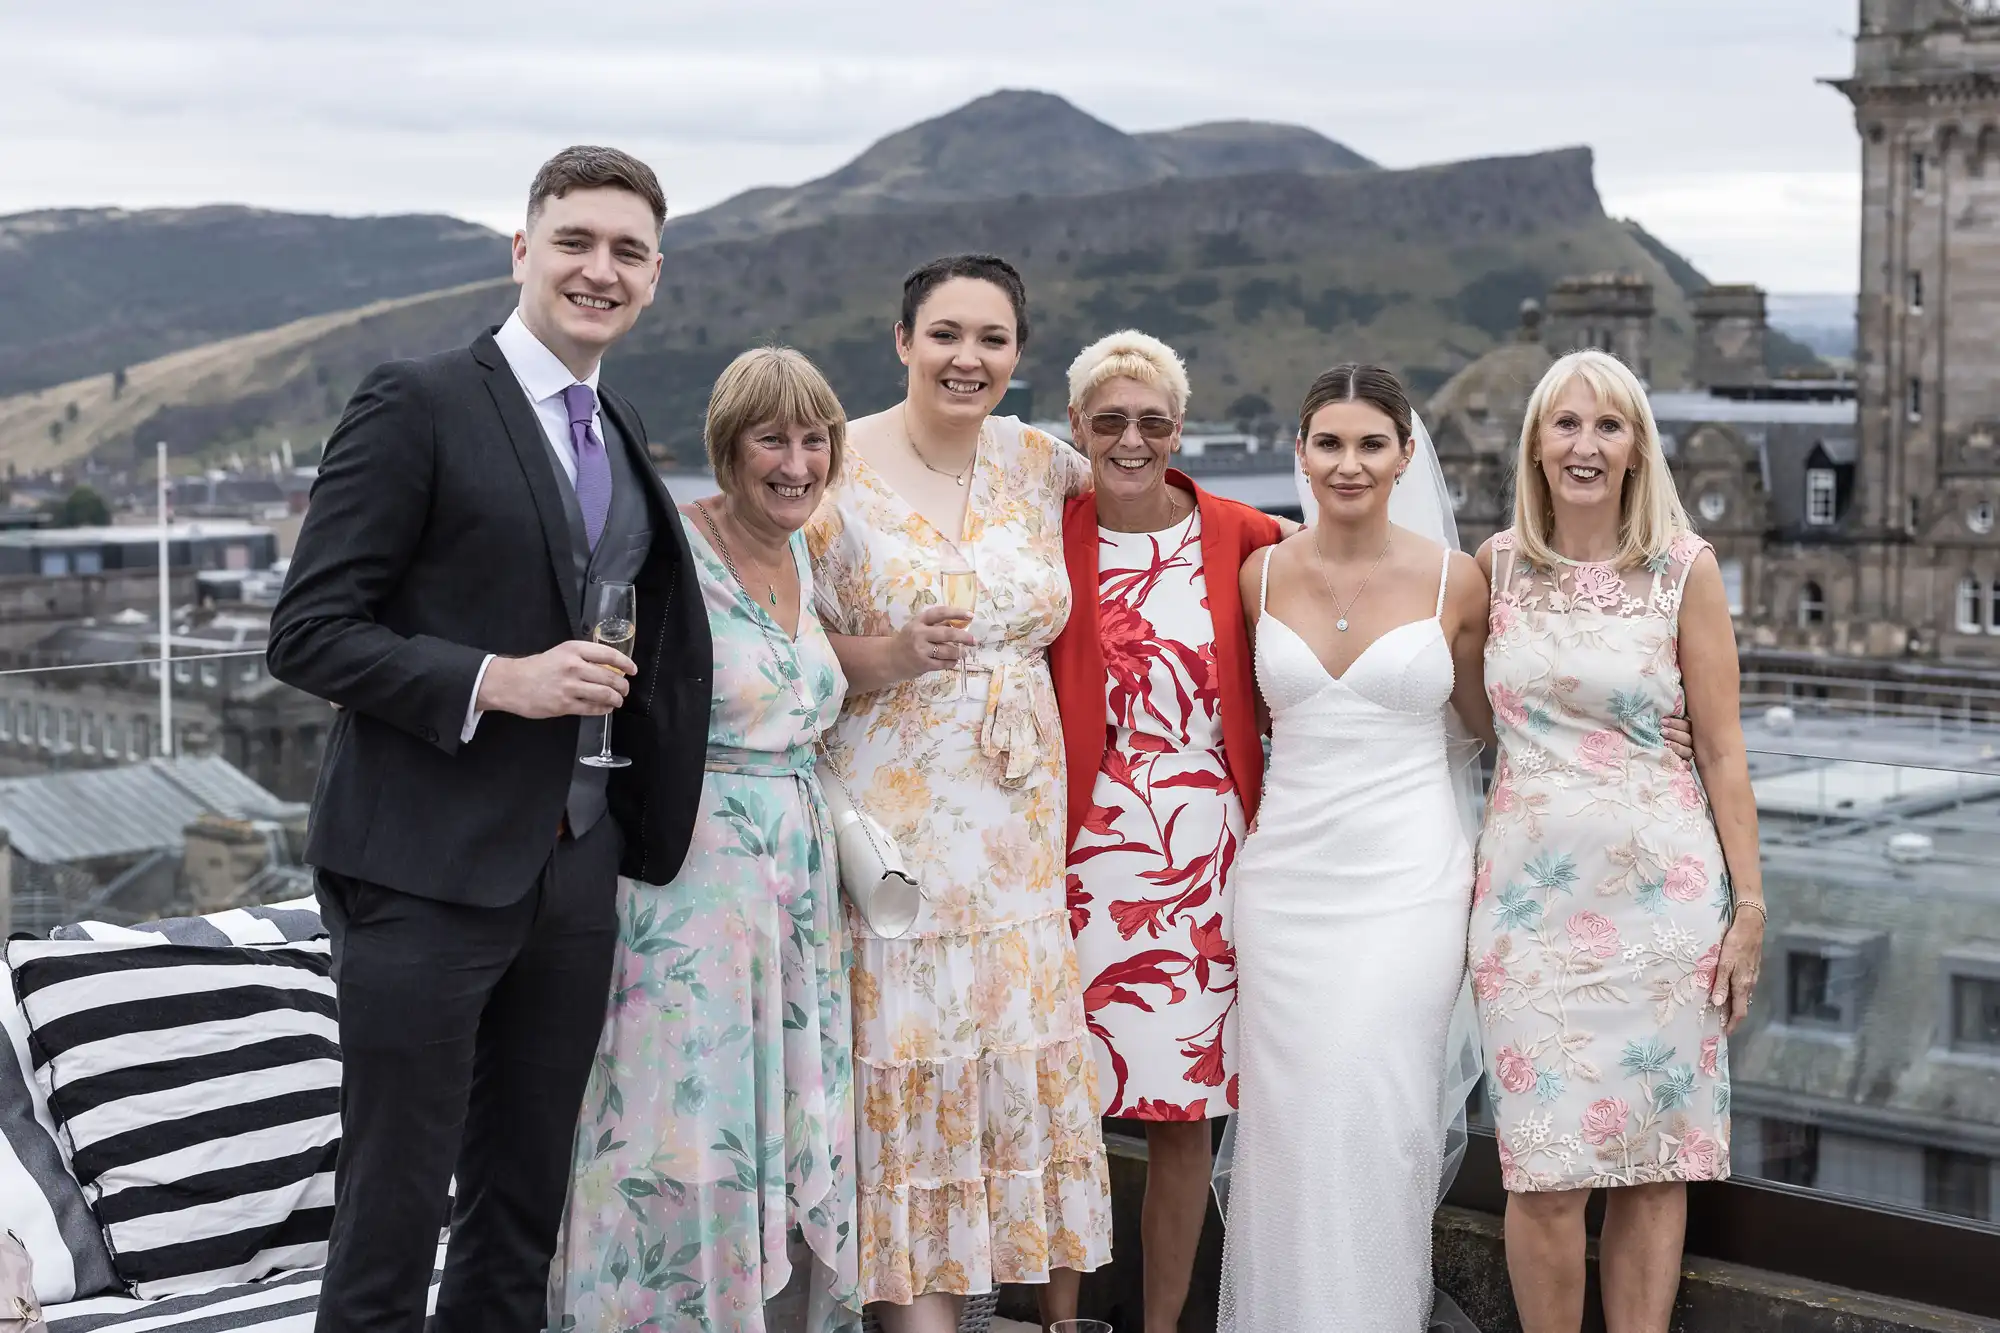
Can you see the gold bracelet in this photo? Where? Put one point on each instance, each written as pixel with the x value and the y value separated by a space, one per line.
pixel 1741 903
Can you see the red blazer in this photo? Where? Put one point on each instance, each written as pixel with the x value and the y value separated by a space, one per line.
pixel 1229 533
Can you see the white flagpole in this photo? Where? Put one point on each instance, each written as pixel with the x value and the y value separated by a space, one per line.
pixel 166 609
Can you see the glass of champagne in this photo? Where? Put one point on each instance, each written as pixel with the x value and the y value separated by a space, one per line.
pixel 614 622
pixel 961 589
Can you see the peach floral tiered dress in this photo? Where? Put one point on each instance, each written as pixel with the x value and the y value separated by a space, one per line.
pixel 979 1153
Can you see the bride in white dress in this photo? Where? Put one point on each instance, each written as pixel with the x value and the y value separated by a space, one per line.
pixel 1354 888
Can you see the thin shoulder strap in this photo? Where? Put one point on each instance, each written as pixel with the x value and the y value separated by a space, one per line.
pixel 1264 581
pixel 1444 573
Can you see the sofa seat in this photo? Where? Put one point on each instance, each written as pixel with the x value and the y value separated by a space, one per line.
pixel 281 1303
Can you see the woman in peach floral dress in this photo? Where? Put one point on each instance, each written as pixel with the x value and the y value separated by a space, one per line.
pixel 979 1155
pixel 1617 915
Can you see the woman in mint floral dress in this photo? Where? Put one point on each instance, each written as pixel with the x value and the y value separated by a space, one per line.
pixel 713 1185
pixel 1610 947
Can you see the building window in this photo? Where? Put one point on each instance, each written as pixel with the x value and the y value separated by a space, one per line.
pixel 1821 490
pixel 1822 988
pixel 1979 518
pixel 1812 605
pixel 45 727
pixel 1916 292
pixel 24 722
pixel 67 738
pixel 1732 585
pixel 211 674
pixel 248 672
pixel 86 739
pixel 141 740
pixel 1958 1183
pixel 183 673
pixel 1918 173
pixel 6 722
pixel 1970 594
pixel 1916 395
pixel 1975 1014
pixel 1791 1152
pixel 114 737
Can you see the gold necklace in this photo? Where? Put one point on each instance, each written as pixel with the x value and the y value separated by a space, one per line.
pixel 1341 622
pixel 722 549
pixel 958 478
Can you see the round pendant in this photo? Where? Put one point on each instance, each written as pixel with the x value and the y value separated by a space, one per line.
pixel 1341 624
pixel 960 481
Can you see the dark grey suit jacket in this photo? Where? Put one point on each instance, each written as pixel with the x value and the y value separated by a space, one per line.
pixel 437 533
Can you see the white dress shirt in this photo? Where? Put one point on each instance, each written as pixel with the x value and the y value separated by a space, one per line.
pixel 543 377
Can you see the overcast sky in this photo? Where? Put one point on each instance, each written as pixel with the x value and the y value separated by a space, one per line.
pixel 1708 125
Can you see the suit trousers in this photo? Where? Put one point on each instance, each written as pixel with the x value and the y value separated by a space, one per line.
pixel 466 1035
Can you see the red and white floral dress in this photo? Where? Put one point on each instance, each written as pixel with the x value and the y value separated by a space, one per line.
pixel 1149 871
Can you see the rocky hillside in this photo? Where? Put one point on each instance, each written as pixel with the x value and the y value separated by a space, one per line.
pixel 1261 279
pixel 1009 145
pixel 92 290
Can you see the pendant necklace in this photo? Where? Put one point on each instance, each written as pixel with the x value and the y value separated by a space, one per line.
pixel 1340 623
pixel 958 478
pixel 722 549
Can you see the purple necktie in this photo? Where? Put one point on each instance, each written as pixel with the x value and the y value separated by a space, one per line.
pixel 593 469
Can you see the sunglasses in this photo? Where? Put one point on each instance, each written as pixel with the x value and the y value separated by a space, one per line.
pixel 1111 425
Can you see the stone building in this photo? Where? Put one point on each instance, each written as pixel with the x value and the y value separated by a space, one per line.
pixel 1922 559
pixel 1855 521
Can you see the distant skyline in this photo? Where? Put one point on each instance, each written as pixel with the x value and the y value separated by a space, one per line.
pixel 1707 122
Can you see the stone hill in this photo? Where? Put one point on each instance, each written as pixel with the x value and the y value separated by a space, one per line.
pixel 1260 280
pixel 1005 145
pixel 87 291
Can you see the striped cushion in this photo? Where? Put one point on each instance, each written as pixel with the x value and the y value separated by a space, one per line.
pixel 278 923
pixel 197 1090
pixel 281 1304
pixel 39 1200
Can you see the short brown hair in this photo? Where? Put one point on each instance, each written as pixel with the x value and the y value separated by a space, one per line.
pixel 770 384
pixel 589 167
pixel 1351 383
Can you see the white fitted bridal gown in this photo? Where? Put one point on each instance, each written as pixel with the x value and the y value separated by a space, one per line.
pixel 1351 912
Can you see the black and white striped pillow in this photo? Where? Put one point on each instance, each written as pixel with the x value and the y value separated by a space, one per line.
pixel 278 923
pixel 198 1093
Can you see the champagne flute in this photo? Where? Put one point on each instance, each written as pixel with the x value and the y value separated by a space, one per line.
pixel 614 622
pixel 961 589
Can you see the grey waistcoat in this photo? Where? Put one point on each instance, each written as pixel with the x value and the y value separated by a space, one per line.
pixel 621 552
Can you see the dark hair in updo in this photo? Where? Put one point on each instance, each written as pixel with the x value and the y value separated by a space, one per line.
pixel 986 268
pixel 1351 383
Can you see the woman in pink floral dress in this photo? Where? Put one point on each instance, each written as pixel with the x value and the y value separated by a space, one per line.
pixel 1617 908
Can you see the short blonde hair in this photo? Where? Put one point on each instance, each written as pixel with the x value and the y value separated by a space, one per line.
pixel 1128 354
pixel 770 384
pixel 1650 513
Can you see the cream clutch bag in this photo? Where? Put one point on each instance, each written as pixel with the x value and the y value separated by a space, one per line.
pixel 872 874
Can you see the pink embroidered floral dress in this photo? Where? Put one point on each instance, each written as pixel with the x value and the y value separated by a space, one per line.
pixel 1600 894
pixel 1148 875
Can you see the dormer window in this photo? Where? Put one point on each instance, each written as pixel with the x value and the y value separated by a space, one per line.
pixel 1918 172
pixel 1821 490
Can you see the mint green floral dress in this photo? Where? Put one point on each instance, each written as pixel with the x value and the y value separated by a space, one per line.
pixel 720 1110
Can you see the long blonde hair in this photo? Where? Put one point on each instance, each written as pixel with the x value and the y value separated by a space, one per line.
pixel 1650 514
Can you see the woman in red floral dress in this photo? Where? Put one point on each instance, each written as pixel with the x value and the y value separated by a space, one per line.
pixel 1154 683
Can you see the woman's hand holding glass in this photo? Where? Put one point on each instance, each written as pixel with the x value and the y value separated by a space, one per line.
pixel 932 640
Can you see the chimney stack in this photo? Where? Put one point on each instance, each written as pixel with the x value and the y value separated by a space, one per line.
pixel 1729 328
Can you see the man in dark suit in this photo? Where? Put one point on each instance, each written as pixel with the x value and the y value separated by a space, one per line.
pixel 441 595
